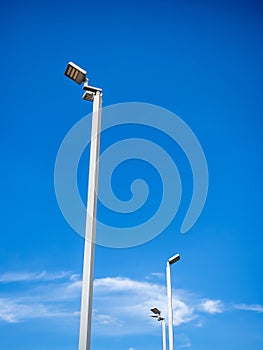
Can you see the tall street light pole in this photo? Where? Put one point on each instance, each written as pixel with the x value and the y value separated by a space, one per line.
pixel 93 95
pixel 171 261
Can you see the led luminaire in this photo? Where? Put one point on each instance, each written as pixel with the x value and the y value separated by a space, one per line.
pixel 155 310
pixel 174 258
pixel 75 73
pixel 88 96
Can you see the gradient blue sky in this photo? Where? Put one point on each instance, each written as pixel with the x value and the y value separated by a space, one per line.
pixel 203 61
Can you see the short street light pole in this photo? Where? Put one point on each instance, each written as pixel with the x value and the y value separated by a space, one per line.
pixel 93 95
pixel 171 261
pixel 157 314
pixel 163 334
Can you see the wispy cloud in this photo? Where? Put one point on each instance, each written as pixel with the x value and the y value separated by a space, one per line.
pixel 36 299
pixel 156 275
pixel 250 307
pixel 15 311
pixel 32 276
pixel 212 306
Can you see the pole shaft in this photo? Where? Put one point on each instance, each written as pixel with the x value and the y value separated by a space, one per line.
pixel 164 335
pixel 90 232
pixel 170 307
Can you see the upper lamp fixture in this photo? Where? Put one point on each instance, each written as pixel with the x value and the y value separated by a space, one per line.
pixel 173 259
pixel 75 73
pixel 155 310
pixel 79 75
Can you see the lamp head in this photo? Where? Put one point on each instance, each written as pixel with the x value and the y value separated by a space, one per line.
pixel 174 259
pixel 155 310
pixel 90 91
pixel 88 96
pixel 75 73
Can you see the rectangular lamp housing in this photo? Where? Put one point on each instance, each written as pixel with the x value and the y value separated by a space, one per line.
pixel 75 73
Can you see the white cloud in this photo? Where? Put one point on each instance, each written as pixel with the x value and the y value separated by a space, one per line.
pixel 31 276
pixel 250 307
pixel 121 305
pixel 182 312
pixel 8 310
pixel 211 306
pixel 35 299
pixel 129 301
pixel 158 275
pixel 104 319
pixel 138 297
pixel 15 311
pixel 118 302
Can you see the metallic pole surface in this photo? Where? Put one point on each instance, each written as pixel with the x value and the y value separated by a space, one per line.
pixel 90 232
pixel 170 307
pixel 164 334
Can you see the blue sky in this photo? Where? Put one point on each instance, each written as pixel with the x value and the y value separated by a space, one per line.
pixel 200 60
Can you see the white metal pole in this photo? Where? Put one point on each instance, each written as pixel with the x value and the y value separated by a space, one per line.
pixel 170 307
pixel 90 232
pixel 164 334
